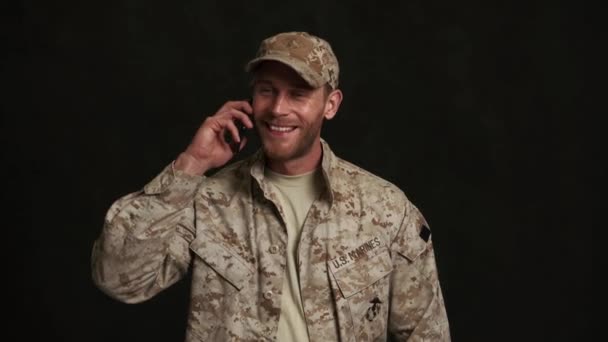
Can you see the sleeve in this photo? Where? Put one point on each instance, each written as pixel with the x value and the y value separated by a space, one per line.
pixel 143 247
pixel 417 310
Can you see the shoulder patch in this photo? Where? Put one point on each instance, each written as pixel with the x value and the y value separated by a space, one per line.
pixel 425 233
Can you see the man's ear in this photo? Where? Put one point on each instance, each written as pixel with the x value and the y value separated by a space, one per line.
pixel 334 99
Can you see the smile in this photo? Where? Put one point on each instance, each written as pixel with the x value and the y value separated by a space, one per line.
pixel 280 129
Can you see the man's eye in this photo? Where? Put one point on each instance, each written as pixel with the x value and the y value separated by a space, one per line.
pixel 264 90
pixel 298 94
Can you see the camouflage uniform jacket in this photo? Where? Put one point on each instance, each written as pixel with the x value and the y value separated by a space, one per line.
pixel 366 262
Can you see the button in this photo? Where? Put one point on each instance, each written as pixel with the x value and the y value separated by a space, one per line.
pixel 268 294
pixel 273 249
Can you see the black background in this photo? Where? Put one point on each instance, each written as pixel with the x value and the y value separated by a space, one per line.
pixel 469 106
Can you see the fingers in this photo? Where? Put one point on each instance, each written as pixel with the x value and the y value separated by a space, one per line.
pixel 234 132
pixel 243 143
pixel 235 142
pixel 244 118
pixel 230 116
pixel 226 125
pixel 243 106
pixel 234 114
pixel 240 110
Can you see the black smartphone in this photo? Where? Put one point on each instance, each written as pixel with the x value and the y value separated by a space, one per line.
pixel 242 129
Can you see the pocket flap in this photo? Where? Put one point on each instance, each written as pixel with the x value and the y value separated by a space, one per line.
pixel 356 276
pixel 412 249
pixel 411 242
pixel 223 261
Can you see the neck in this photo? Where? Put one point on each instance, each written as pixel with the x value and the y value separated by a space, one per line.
pixel 297 166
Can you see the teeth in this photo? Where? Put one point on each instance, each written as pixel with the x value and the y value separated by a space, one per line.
pixel 280 128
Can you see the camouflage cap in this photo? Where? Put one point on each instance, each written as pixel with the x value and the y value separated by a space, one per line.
pixel 310 56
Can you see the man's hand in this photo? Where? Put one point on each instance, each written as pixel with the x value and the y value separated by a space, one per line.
pixel 208 149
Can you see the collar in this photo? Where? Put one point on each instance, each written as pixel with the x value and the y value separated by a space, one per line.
pixel 328 163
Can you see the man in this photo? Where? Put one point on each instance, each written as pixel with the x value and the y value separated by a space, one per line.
pixel 291 244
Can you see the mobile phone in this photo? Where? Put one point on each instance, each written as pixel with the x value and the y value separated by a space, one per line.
pixel 242 129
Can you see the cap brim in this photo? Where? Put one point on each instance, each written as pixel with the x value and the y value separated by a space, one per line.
pixel 300 68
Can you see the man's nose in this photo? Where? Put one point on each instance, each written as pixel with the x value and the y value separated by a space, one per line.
pixel 280 106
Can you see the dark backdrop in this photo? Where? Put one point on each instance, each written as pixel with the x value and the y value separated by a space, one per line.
pixel 468 106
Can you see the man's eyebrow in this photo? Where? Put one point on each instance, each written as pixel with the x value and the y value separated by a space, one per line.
pixel 303 86
pixel 256 81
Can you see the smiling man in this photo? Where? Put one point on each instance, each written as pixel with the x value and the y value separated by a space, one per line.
pixel 291 244
pixel 290 117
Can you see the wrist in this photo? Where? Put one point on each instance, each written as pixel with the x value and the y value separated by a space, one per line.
pixel 189 164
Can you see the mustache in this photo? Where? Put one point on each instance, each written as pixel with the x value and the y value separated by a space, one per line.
pixel 273 120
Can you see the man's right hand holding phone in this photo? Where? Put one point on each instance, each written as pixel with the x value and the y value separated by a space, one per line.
pixel 209 148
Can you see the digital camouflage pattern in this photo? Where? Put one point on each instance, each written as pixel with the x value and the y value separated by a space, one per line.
pixel 310 56
pixel 366 262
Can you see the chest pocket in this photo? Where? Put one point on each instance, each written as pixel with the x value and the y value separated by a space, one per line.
pixel 229 265
pixel 364 285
